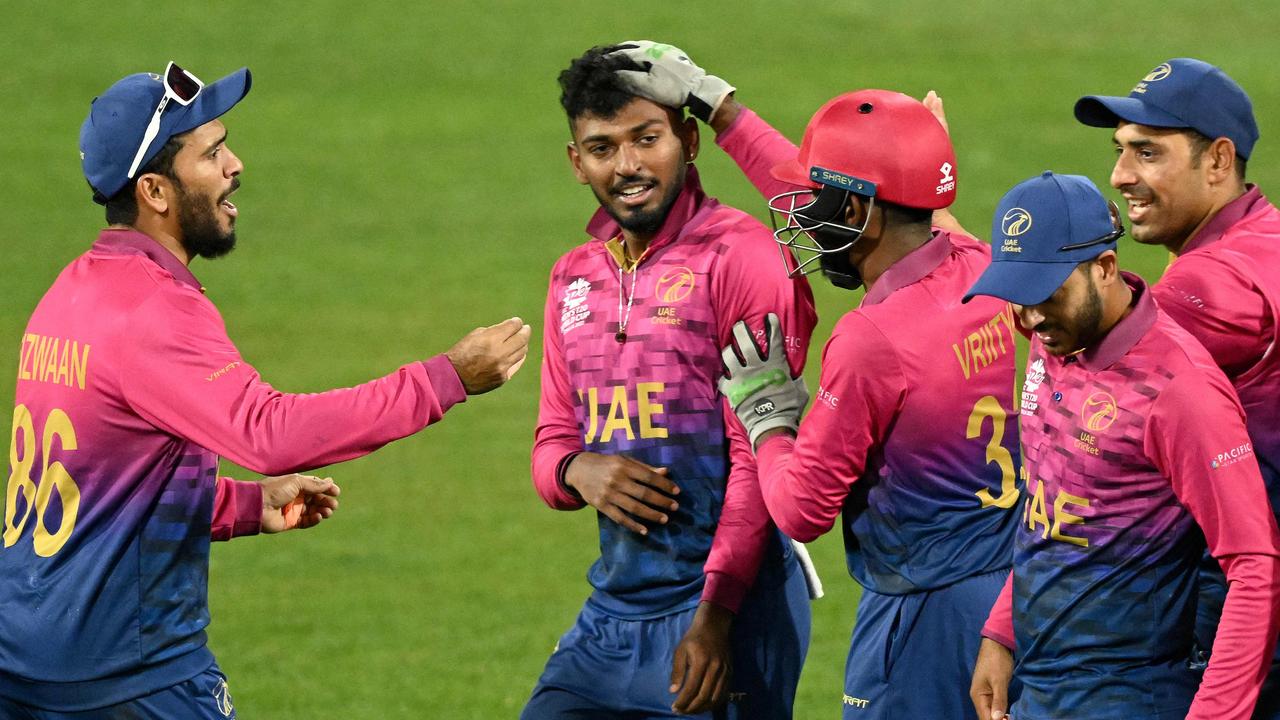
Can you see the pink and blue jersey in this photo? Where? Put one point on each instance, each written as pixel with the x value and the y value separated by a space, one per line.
pixel 654 398
pixel 910 432
pixel 1225 290
pixel 1137 456
pixel 128 391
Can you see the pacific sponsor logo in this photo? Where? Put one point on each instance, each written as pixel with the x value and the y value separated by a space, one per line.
pixel 764 408
pixel 828 398
pixel 1099 411
pixel 573 305
pixel 1035 377
pixel 948 181
pixel 1232 456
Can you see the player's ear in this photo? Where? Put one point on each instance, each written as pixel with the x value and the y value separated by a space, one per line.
pixel 153 191
pixel 575 160
pixel 855 210
pixel 1220 159
pixel 1106 268
pixel 690 139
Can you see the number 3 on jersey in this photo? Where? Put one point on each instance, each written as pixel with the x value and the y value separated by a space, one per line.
pixel 53 476
pixel 989 407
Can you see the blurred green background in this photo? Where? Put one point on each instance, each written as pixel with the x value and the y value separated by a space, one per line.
pixel 406 181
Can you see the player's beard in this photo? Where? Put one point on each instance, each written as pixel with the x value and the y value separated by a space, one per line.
pixel 647 222
pixel 198 221
pixel 1085 324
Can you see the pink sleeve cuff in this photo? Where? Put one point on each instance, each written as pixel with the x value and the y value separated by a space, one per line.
pixel 724 590
pixel 1005 640
pixel 727 133
pixel 237 509
pixel 445 381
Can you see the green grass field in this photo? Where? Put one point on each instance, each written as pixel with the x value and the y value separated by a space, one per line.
pixel 406 181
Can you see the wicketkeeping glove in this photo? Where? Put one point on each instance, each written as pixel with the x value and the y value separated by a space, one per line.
pixel 670 78
pixel 761 389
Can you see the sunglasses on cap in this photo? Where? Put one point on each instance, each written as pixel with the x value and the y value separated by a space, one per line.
pixel 181 87
pixel 1116 233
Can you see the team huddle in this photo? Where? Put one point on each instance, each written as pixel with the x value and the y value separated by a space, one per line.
pixel 1098 542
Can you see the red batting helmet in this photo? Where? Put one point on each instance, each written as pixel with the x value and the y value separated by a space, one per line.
pixel 877 143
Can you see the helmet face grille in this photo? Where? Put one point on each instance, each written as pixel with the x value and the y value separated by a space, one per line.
pixel 806 227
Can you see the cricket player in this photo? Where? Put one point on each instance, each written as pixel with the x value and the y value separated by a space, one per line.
pixel 697 599
pixel 129 390
pixel 1137 459
pixel 1183 137
pixel 909 436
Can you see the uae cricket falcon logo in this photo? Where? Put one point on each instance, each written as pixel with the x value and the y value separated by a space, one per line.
pixel 1015 222
pixel 1162 71
pixel 1099 411
pixel 674 285
pixel 222 695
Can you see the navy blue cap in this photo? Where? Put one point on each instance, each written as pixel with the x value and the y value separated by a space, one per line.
pixel 118 118
pixel 1181 93
pixel 1043 228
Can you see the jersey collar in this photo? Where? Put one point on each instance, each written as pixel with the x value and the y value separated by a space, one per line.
pixel 1230 214
pixel 1126 333
pixel 910 269
pixel 127 241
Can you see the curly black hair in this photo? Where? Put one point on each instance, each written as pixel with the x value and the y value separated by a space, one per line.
pixel 589 84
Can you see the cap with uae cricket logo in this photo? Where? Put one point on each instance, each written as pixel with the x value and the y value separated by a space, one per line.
pixel 1180 93
pixel 1043 228
pixel 131 121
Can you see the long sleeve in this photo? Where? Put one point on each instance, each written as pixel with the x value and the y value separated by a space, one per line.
pixel 999 625
pixel 1196 437
pixel 1220 307
pixel 805 481
pixel 557 437
pixel 237 509
pixel 756 147
pixel 186 377
pixel 750 283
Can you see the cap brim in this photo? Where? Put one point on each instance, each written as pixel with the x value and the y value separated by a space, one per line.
pixel 1021 283
pixel 214 100
pixel 792 173
pixel 1106 111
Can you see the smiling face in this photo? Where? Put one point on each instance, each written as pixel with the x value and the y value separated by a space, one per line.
pixel 206 173
pixel 1168 182
pixel 634 162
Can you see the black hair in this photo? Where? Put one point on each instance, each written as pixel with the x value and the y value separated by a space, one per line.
pixel 122 208
pixel 590 85
pixel 1200 145
pixel 903 215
